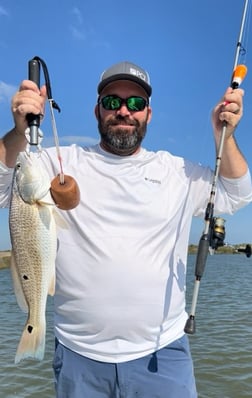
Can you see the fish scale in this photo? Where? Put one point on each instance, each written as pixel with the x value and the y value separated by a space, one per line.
pixel 34 245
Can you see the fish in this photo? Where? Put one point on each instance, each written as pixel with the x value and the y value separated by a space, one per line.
pixel 33 235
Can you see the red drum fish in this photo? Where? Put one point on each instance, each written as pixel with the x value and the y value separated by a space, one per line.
pixel 34 246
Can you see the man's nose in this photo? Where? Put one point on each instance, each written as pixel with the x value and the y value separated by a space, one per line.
pixel 123 111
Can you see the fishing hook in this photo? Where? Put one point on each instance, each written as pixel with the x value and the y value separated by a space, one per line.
pixel 206 240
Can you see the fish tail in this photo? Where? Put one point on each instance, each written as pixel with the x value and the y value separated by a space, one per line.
pixel 32 343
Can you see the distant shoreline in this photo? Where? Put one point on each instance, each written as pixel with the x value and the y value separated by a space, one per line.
pixel 192 249
pixel 5 259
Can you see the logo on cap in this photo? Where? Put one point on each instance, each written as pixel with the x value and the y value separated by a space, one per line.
pixel 137 73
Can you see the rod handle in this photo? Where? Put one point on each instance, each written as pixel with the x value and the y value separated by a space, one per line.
pixel 34 71
pixel 190 325
pixel 202 255
pixel 34 120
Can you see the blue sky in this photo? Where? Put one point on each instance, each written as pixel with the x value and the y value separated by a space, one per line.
pixel 188 48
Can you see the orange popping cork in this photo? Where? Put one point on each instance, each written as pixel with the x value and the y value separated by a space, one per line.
pixel 238 75
pixel 67 195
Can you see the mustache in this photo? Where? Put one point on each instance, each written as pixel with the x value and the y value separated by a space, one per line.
pixel 121 120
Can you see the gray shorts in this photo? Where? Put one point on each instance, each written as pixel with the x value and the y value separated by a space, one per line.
pixel 167 373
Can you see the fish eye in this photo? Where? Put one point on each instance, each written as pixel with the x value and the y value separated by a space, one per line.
pixel 18 165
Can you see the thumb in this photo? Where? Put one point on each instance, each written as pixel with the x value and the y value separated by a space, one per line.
pixel 43 92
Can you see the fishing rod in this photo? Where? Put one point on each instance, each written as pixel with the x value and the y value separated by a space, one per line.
pixel 214 230
pixel 33 132
pixel 64 189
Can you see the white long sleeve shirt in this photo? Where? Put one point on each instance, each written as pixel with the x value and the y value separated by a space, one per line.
pixel 121 263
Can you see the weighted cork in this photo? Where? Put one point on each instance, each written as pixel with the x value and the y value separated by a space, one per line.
pixel 66 195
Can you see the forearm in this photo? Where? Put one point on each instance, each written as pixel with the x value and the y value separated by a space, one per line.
pixel 233 163
pixel 10 145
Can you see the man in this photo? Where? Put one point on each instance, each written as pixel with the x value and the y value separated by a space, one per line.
pixel 121 264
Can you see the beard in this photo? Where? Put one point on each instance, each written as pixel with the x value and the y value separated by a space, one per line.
pixel 120 140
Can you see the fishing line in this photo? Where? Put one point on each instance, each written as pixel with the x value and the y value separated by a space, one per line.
pixel 214 231
pixel 239 46
pixel 52 105
pixel 241 58
pixel 33 120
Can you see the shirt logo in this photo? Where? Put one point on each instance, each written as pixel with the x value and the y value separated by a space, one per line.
pixel 152 180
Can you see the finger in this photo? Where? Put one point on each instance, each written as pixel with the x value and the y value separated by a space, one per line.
pixel 24 109
pixel 24 104
pixel 231 107
pixel 29 85
pixel 231 118
pixel 233 96
pixel 43 92
pixel 237 111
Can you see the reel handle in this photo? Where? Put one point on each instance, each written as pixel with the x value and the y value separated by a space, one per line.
pixel 34 120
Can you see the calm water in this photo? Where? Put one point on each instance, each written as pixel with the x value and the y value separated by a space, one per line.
pixel 221 346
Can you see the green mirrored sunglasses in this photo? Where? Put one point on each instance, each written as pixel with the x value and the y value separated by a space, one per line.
pixel 133 103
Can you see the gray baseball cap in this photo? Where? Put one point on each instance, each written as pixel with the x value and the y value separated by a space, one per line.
pixel 125 71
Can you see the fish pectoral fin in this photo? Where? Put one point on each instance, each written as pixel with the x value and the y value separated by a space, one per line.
pixel 47 200
pixel 32 342
pixel 17 286
pixel 51 289
pixel 59 220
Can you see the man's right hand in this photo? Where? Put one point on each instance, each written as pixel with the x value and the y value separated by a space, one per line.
pixel 29 99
